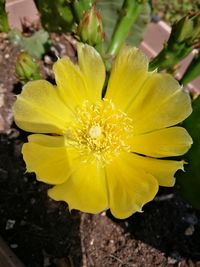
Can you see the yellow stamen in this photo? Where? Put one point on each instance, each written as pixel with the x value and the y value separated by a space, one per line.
pixel 102 131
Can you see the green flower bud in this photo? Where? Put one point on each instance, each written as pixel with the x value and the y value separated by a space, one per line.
pixel 187 29
pixel 90 28
pixel 26 68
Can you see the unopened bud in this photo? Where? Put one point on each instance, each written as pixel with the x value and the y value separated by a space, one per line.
pixel 26 68
pixel 187 29
pixel 90 28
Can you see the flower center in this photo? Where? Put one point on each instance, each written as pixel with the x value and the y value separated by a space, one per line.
pixel 95 131
pixel 102 131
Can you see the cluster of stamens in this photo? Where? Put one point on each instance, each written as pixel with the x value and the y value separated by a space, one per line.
pixel 101 131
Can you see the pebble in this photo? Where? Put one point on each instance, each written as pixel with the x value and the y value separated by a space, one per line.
pixel 103 213
pixel 48 60
pixel 126 224
pixel 14 245
pixel 10 224
pixel 171 260
pixel 190 230
pixel 7 56
pixel 1 100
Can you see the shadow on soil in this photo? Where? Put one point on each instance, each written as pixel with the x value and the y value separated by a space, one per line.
pixel 41 232
pixel 167 224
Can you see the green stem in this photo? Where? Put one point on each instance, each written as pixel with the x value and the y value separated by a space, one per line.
pixel 169 56
pixel 192 72
pixel 130 11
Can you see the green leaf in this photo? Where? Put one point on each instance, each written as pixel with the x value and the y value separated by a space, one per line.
pixel 188 183
pixel 110 11
pixel 56 16
pixel 4 27
pixel 35 45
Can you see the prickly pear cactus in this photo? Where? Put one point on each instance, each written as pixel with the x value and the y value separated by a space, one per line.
pixel 188 183
pixel 193 71
pixel 56 16
pixel 4 27
pixel 35 45
pixel 26 68
pixel 110 11
pixel 184 34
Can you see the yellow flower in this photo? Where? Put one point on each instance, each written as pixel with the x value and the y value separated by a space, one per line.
pixel 104 149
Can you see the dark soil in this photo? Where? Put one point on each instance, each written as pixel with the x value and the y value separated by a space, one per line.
pixel 43 233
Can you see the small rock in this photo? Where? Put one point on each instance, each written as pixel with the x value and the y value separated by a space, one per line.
pixel 190 230
pixel 126 224
pixel 13 134
pixel 1 100
pixel 164 197
pixel 48 60
pixel 7 56
pixel 14 245
pixel 103 213
pixel 171 260
pixel 10 224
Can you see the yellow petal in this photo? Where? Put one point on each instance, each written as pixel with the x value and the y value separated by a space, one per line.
pixel 39 109
pixel 85 190
pixel 77 83
pixel 47 140
pixel 70 81
pixel 48 158
pixel 129 187
pixel 161 103
pixel 128 74
pixel 167 142
pixel 162 170
pixel 93 69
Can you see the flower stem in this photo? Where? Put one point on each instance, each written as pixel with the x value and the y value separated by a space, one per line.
pixel 130 11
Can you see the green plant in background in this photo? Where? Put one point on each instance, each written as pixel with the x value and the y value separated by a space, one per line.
pixel 181 42
pixel 56 16
pixel 110 11
pixel 4 27
pixel 173 10
pixel 193 71
pixel 188 183
pixel 26 68
pixel 130 11
pixel 35 45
